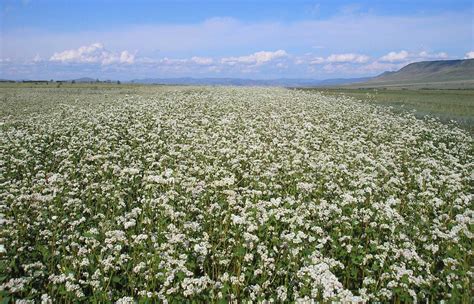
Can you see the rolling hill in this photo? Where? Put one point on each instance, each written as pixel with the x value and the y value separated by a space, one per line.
pixel 429 74
pixel 424 74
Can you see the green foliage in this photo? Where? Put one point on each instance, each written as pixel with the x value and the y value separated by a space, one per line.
pixel 185 194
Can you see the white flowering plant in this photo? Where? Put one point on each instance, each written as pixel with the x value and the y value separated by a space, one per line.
pixel 172 194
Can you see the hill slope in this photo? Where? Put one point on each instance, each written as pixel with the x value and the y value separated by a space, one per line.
pixel 444 70
pixel 442 73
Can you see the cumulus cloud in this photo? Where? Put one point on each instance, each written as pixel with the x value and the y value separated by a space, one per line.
pixel 427 55
pixel 377 67
pixel 225 35
pixel 258 64
pixel 317 60
pixel 299 61
pixel 395 56
pixel 37 58
pixel 257 58
pixel 350 57
pixel 170 61
pixel 94 53
pixel 469 55
pixel 370 68
pixel 126 57
pixel 340 58
pixel 404 56
pixel 202 60
pixel 179 61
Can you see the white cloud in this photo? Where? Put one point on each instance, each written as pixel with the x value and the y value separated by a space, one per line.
pixel 395 57
pixel 195 60
pixel 172 61
pixel 37 58
pixel 90 53
pixel 469 55
pixel 94 53
pixel 340 58
pixel 442 55
pixel 404 56
pixel 357 70
pixel 299 61
pixel 257 58
pixel 350 57
pixel 225 35
pixel 377 66
pixel 423 54
pixel 317 60
pixel 427 55
pixel 202 60
pixel 126 57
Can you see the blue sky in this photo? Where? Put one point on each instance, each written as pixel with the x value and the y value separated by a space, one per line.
pixel 251 39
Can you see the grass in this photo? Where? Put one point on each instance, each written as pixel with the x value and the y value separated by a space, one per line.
pixel 447 105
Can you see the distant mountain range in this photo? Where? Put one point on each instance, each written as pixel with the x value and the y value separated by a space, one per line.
pixel 85 80
pixel 282 82
pixel 425 71
pixel 430 74
pixel 425 74
pixel 441 73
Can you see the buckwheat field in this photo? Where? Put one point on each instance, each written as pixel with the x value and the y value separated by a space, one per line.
pixel 206 195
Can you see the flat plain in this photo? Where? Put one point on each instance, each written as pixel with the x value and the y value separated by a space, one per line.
pixel 448 105
pixel 122 193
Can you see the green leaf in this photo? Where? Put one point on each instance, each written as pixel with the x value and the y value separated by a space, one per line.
pixel 6 300
pixel 240 251
pixel 116 279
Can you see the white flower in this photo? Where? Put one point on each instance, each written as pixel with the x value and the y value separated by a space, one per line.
pixel 125 300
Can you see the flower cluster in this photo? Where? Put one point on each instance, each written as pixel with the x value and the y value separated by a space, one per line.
pixel 230 194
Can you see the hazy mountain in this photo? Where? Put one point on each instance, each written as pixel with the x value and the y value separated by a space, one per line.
pixel 443 70
pixel 454 72
pixel 85 79
pixel 340 81
pixel 441 73
pixel 282 82
pixel 424 74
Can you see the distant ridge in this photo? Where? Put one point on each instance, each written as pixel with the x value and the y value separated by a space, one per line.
pixel 84 79
pixel 440 73
pixel 282 82
pixel 442 70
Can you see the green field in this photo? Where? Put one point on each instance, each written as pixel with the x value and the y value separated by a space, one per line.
pixel 181 194
pixel 447 105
